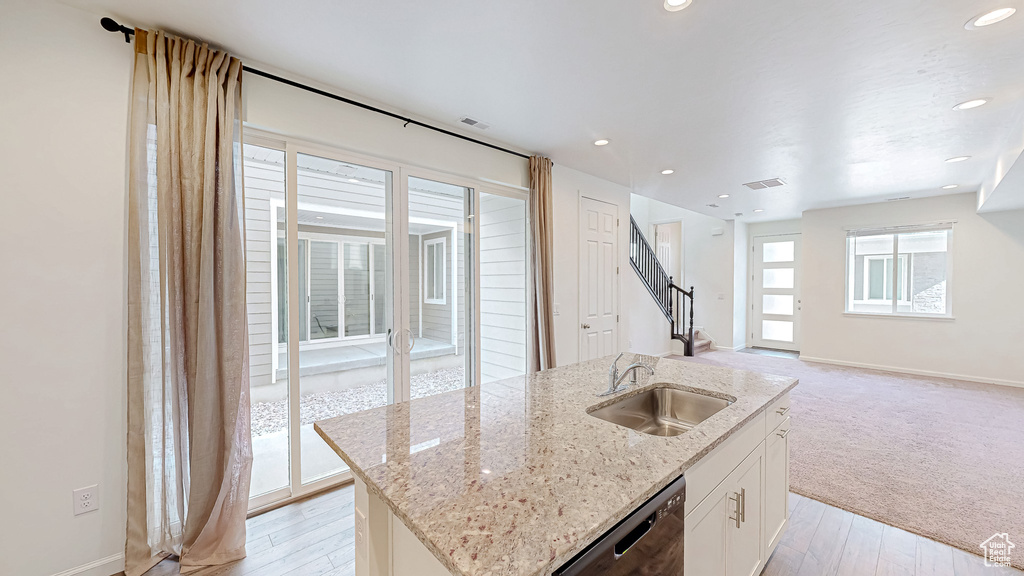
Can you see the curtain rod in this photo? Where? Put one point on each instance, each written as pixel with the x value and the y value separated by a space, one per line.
pixel 110 25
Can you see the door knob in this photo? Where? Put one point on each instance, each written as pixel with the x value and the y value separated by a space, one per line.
pixel 585 326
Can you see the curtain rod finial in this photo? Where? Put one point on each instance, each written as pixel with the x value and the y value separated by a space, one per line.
pixel 111 25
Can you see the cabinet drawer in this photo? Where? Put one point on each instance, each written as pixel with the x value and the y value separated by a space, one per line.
pixel 776 413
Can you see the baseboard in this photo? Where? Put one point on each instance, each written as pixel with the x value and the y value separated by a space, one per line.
pixel 102 567
pixel 931 373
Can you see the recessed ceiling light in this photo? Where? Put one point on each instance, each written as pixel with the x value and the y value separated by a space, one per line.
pixel 758 210
pixel 353 180
pixel 949 186
pixel 957 159
pixel 990 18
pixel 676 5
pixel 319 217
pixel 971 104
pixel 723 195
pixel 600 142
pixel 667 172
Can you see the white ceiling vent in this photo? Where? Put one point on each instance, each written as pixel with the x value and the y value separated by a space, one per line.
pixel 474 123
pixel 762 184
pixel 897 199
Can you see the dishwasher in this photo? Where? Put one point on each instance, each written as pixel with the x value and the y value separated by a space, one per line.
pixel 648 542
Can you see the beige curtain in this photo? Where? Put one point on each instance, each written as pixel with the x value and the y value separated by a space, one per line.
pixel 189 446
pixel 542 354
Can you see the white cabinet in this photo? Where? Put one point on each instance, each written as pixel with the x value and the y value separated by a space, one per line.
pixel 723 533
pixel 706 530
pixel 744 544
pixel 776 493
pixel 732 529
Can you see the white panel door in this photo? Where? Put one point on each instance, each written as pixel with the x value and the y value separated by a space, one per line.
pixel 776 292
pixel 598 289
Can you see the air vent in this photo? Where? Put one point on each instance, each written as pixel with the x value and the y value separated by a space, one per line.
pixel 897 199
pixel 738 214
pixel 712 205
pixel 474 123
pixel 762 184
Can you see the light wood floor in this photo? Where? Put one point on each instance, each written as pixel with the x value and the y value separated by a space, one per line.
pixel 315 537
pixel 825 541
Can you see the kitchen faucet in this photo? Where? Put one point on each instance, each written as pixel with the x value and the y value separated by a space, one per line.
pixel 614 378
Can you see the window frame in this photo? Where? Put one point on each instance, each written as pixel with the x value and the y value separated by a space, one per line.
pixel 887 271
pixel 429 274
pixel 890 273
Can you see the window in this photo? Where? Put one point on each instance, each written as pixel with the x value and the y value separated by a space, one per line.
pixel 901 271
pixel 434 270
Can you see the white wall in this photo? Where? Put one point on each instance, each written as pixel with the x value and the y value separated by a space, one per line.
pixel 708 259
pixel 740 294
pixel 981 343
pixel 568 186
pixel 63 108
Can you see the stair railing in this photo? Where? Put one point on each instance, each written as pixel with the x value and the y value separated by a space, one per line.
pixel 671 299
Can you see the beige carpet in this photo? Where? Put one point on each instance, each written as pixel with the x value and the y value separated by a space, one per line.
pixel 940 458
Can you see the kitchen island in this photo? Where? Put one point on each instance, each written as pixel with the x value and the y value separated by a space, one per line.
pixel 516 477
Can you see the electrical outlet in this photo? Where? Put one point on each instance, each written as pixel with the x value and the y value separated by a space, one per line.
pixel 557 309
pixel 86 499
pixel 361 534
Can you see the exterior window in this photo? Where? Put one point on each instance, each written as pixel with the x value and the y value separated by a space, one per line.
pixel 434 270
pixel 905 272
pixel 877 285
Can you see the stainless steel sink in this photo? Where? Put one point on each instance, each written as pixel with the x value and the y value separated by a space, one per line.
pixel 661 411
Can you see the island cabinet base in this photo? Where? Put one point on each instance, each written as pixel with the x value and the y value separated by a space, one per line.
pixel 384 546
pixel 736 509
pixel 737 498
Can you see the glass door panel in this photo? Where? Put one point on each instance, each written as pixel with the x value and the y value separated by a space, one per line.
pixel 379 287
pixel 438 273
pixel 323 290
pixel 266 257
pixel 357 289
pixel 343 367
pixel 503 288
pixel 303 290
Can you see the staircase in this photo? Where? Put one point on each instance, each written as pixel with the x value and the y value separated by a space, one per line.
pixel 669 297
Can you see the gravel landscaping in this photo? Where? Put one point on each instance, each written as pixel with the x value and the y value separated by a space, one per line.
pixel 269 417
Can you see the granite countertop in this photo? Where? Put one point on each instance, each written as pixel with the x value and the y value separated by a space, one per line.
pixel 514 478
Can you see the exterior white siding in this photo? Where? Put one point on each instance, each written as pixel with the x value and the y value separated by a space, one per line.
pixel 264 179
pixel 503 291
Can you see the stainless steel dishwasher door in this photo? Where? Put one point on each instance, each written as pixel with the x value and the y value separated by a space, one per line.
pixel 649 542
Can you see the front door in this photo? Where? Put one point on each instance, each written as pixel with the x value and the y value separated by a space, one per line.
pixel 776 293
pixel 598 288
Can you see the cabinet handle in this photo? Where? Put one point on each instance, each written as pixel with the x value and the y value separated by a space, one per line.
pixel 738 517
pixel 783 433
pixel 743 504
pixel 783 411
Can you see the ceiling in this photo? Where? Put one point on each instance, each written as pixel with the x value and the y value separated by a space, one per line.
pixel 847 102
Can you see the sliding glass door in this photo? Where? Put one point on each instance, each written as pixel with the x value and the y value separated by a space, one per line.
pixel 437 305
pixel 369 283
pixel 343 215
